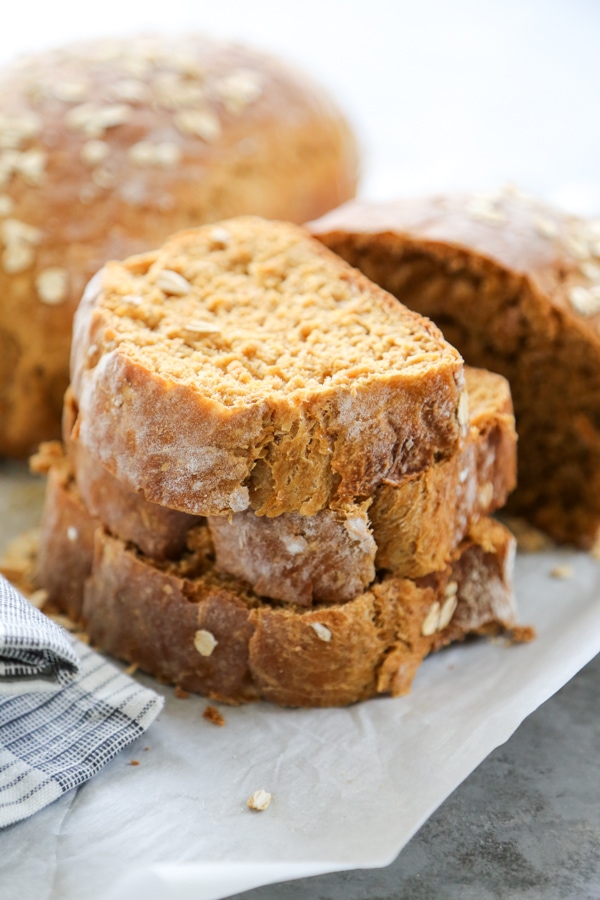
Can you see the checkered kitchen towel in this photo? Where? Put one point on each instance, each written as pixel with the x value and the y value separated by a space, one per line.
pixel 64 711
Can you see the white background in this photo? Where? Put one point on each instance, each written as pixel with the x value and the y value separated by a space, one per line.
pixel 469 94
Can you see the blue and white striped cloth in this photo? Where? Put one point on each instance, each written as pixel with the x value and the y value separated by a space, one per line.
pixel 64 710
pixel 35 653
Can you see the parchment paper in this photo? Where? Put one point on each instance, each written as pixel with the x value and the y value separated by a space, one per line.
pixel 350 786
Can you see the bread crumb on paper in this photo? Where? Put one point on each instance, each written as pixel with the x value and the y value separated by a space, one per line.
pixel 180 693
pixel 212 714
pixel 564 571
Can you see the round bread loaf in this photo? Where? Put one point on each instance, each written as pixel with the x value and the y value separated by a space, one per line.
pixel 108 147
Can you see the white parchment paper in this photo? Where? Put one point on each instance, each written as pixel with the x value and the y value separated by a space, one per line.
pixel 350 786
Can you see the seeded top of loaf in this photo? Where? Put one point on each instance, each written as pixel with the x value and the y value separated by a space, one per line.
pixel 109 146
pixel 558 253
pixel 276 349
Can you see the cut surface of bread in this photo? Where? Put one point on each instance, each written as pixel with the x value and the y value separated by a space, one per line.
pixel 187 625
pixel 515 286
pixel 244 365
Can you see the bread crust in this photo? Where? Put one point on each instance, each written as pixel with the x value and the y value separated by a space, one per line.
pixel 418 523
pixel 515 287
pixel 186 625
pixel 158 531
pixel 66 543
pixel 329 556
pixel 317 440
pixel 276 653
pixel 111 145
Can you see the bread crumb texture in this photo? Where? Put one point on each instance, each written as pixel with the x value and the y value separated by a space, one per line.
pixel 255 368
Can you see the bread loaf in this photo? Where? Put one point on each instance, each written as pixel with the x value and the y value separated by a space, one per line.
pixel 185 624
pixel 244 365
pixel 515 286
pixel 109 146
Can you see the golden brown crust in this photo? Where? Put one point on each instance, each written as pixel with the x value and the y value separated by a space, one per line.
pixel 158 531
pixel 183 623
pixel 516 287
pixel 411 526
pixel 252 409
pixel 66 543
pixel 329 556
pixel 110 146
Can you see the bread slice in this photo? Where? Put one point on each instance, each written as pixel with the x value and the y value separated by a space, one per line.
pixel 515 286
pixel 244 365
pixel 410 526
pixel 185 624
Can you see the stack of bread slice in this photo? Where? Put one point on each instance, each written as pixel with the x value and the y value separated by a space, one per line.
pixel 277 480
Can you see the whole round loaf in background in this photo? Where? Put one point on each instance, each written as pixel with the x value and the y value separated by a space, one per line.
pixel 106 148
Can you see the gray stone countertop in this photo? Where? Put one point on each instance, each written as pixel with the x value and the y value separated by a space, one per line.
pixel 524 826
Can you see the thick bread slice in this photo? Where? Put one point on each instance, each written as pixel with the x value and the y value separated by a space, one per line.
pixel 246 365
pixel 515 286
pixel 327 656
pixel 186 625
pixel 411 526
